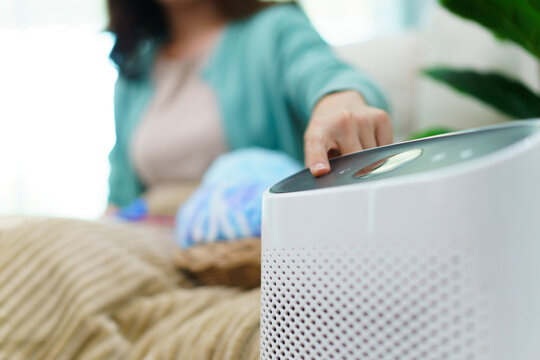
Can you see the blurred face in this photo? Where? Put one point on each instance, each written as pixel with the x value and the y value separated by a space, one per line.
pixel 178 2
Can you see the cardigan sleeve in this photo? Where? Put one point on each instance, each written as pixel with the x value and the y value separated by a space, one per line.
pixel 115 156
pixel 124 185
pixel 309 68
pixel 131 96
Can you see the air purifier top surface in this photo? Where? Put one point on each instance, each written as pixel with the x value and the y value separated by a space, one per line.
pixel 411 157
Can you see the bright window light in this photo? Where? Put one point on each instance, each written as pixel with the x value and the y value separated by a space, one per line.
pixel 56 120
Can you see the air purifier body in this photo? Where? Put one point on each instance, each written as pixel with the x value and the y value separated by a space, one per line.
pixel 428 249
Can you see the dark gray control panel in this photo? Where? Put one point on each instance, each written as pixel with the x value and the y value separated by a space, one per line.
pixel 411 157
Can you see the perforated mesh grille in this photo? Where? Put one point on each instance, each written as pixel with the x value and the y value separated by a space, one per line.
pixel 372 304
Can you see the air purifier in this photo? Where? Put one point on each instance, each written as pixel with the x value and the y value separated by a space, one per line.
pixel 423 250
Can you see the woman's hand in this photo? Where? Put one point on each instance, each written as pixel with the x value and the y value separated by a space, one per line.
pixel 343 123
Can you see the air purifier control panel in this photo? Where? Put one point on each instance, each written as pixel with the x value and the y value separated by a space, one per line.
pixel 411 157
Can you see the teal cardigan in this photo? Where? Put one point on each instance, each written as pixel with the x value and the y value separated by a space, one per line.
pixel 267 71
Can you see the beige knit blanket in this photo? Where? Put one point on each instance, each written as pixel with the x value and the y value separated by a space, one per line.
pixel 82 290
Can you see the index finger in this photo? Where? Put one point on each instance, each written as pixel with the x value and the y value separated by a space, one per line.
pixel 316 156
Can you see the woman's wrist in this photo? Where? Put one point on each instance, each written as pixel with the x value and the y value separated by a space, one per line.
pixel 344 97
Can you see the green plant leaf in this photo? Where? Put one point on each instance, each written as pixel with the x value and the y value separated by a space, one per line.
pixel 430 132
pixel 535 4
pixel 515 20
pixel 507 95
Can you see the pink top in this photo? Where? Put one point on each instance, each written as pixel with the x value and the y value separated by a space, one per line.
pixel 180 133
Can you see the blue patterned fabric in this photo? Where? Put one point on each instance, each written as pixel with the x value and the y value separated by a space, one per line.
pixel 135 211
pixel 228 203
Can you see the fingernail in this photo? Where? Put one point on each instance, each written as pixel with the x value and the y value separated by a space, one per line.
pixel 318 166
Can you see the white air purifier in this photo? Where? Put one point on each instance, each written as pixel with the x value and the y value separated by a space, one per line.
pixel 424 250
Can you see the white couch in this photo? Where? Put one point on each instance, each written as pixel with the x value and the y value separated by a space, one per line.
pixel 417 102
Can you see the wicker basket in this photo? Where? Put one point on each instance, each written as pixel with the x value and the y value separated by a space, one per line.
pixel 236 263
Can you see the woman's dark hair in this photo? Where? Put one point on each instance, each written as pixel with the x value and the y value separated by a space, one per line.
pixel 134 21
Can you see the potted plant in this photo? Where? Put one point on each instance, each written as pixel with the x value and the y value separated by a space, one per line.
pixel 517 21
